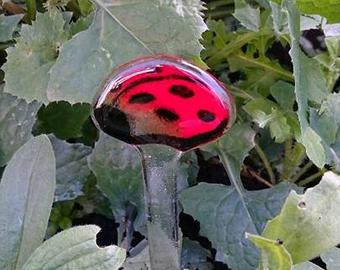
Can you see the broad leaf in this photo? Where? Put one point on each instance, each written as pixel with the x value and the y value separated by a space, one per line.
pixel 331 258
pixel 16 122
pixel 280 20
pixel 308 224
pixel 8 24
pixel 195 256
pixel 122 31
pixel 248 16
pixel 72 168
pixel 306 87
pixel 327 125
pixel 225 213
pixel 26 189
pixel 330 60
pixel 119 176
pixel 28 63
pixel 283 93
pixel 274 256
pixel 224 218
pixel 75 248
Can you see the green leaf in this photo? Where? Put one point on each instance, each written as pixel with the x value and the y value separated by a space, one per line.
pixel 326 8
pixel 265 204
pixel 86 7
pixel 194 256
pixel 16 122
pixel 308 224
pixel 261 71
pixel 225 217
pixel 75 248
pixel 330 61
pixel 26 189
pixel 248 16
pixel 283 93
pixel 280 20
pixel 119 176
pixel 274 256
pixel 29 62
pixel 81 24
pixel 232 150
pixel 121 32
pixel 63 119
pixel 221 44
pixel 331 258
pixel 327 125
pixel 314 149
pixel 309 84
pixel 266 113
pixel 93 200
pixel 72 168
pixel 8 24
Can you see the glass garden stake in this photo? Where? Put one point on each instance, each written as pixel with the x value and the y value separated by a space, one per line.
pixel 165 106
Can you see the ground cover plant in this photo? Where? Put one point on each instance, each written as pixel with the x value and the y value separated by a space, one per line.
pixel 264 196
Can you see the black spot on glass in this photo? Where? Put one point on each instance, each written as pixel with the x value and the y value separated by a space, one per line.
pixel 141 98
pixel 182 91
pixel 158 69
pixel 167 115
pixel 206 116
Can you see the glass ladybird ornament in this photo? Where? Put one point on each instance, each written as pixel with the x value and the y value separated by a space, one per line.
pixel 164 106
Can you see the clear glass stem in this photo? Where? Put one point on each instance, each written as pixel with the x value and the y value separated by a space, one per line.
pixel 160 165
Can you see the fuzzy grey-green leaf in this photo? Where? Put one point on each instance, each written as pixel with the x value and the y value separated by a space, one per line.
pixel 8 24
pixel 27 189
pixel 119 175
pixel 120 32
pixel 331 258
pixel 28 63
pixel 75 248
pixel 248 16
pixel 17 118
pixel 72 168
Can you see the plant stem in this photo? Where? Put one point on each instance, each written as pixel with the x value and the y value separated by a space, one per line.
pixel 31 6
pixel 294 154
pixel 219 3
pixel 302 171
pixel 160 165
pixel 217 14
pixel 266 163
pixel 258 178
pixel 311 178
pixel 236 91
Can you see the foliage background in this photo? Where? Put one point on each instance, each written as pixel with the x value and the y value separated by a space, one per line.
pixel 281 62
